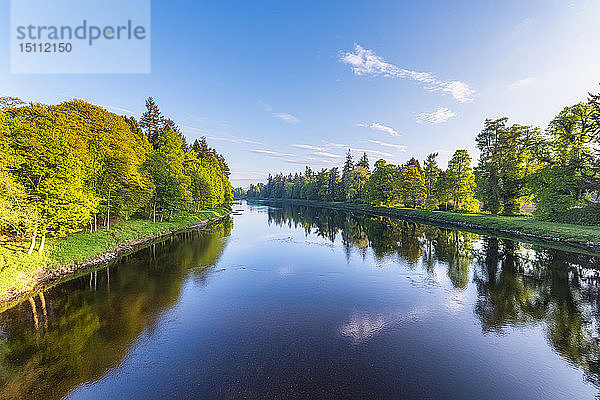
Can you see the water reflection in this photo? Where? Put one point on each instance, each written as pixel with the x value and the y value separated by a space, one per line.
pixel 77 331
pixel 517 284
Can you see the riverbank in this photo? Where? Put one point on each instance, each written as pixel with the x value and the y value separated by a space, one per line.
pixel 518 226
pixel 21 274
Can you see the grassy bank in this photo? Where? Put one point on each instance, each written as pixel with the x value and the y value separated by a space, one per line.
pixel 518 225
pixel 20 273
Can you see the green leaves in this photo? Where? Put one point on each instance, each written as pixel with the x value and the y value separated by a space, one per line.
pixel 61 165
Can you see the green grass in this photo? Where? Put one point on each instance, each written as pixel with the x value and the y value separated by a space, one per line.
pixel 518 225
pixel 18 270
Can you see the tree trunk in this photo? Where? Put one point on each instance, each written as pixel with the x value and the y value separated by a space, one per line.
pixel 154 212
pixel 34 312
pixel 95 222
pixel 43 301
pixel 32 243
pixel 42 242
pixel 108 212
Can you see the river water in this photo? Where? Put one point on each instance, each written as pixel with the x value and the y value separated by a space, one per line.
pixel 309 303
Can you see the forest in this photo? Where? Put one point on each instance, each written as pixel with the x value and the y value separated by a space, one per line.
pixel 75 166
pixel 553 173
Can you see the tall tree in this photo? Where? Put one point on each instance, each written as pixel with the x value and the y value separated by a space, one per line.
pixel 346 171
pixel 508 157
pixel 357 181
pixel 152 121
pixel 431 172
pixel 364 162
pixel 563 184
pixel 52 167
pixel 459 176
pixel 412 185
pixel 382 187
pixel 488 170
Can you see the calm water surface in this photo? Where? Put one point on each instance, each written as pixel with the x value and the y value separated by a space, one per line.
pixel 300 302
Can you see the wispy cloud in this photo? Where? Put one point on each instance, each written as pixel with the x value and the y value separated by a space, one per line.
pixel 289 118
pixel 286 117
pixel 372 152
pixel 522 82
pixel 366 62
pixel 379 127
pixel 308 147
pixel 325 154
pixel 399 147
pixel 272 153
pixel 265 106
pixel 229 139
pixel 121 110
pixel 437 117
pixel 328 150
pixel 233 140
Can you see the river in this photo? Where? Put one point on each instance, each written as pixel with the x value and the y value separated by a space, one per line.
pixel 295 302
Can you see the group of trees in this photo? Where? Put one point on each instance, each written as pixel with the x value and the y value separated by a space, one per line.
pixel 388 184
pixel 556 172
pixel 65 166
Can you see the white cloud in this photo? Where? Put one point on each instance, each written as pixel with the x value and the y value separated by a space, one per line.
pixel 328 149
pixel 308 147
pixel 121 110
pixel 265 106
pixel 366 62
pixel 233 140
pixel 272 153
pixel 522 82
pixel 229 139
pixel 399 147
pixel 379 127
pixel 289 118
pixel 372 152
pixel 325 154
pixel 437 117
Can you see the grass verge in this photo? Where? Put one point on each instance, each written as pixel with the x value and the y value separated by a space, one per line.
pixel 18 271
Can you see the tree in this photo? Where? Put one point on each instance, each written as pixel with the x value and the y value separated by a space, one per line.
pixel 431 172
pixel 346 171
pixel 165 167
pixel 565 183
pixel 152 121
pixel 364 162
pixel 412 185
pixel 488 169
pixel 17 216
pixel 381 189
pixel 508 157
pixel 461 181
pixel 51 166
pixel 356 183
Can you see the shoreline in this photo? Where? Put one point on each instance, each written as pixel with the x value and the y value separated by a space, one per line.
pixel 46 278
pixel 461 221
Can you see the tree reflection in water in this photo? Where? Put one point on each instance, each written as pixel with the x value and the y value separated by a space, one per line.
pixel 517 283
pixel 75 332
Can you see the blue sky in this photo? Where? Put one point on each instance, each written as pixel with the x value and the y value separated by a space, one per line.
pixel 278 85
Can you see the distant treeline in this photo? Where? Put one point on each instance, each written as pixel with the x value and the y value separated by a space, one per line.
pixel 65 166
pixel 556 171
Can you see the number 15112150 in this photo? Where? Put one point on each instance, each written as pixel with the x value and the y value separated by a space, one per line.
pixel 45 47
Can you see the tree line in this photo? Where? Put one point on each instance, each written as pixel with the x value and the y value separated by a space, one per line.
pixel 64 167
pixel 555 171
